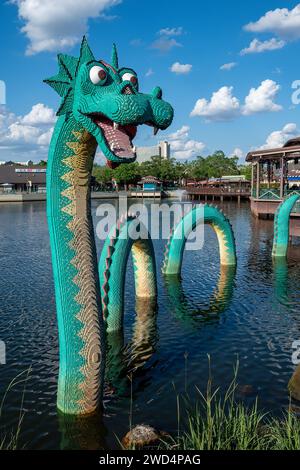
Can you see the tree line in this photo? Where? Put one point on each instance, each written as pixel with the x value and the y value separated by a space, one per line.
pixel 172 171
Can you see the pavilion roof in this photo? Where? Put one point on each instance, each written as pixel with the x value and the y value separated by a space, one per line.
pixel 289 151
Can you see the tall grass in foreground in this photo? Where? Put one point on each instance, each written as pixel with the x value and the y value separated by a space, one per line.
pixel 222 423
pixel 9 439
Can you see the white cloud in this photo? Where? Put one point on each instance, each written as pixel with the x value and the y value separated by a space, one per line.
pixel 281 21
pixel 228 66
pixel 171 31
pixel 39 114
pixel 149 72
pixel 181 68
pixel 182 147
pixel 257 46
pixel 57 24
pixel 165 44
pixel 261 99
pixel 278 138
pixel 45 138
pixel 223 106
pixel 181 133
pixel 237 152
pixel 20 133
pixel 166 41
pixel 26 137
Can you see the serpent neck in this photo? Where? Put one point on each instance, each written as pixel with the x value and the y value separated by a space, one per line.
pixel 74 261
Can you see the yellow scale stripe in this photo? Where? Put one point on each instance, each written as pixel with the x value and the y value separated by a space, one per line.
pixel 82 149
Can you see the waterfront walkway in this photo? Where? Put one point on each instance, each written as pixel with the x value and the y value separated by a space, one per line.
pixel 28 197
pixel 206 193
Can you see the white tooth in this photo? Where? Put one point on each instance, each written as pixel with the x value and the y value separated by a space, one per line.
pixel 112 146
pixel 155 130
pixel 134 149
pixel 116 126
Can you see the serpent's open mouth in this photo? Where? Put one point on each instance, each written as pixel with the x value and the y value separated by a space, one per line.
pixel 118 138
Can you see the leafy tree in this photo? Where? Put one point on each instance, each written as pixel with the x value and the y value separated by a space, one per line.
pixel 127 174
pixel 102 174
pixel 246 170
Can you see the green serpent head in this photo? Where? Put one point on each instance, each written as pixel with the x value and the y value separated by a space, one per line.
pixel 106 100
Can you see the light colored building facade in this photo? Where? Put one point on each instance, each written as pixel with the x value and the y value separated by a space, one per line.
pixel 145 153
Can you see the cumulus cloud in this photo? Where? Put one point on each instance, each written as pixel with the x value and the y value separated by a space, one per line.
pixel 165 44
pixel 26 137
pixel 181 133
pixel 261 99
pixel 181 69
pixel 182 147
pixel 237 152
pixel 166 40
pixel 257 46
pixel 57 24
pixel 228 66
pixel 171 31
pixel 222 106
pixel 281 21
pixel 278 138
pixel 39 114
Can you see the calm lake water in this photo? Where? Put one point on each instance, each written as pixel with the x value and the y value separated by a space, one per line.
pixel 251 315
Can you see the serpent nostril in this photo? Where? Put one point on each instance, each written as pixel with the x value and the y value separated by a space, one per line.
pixel 127 90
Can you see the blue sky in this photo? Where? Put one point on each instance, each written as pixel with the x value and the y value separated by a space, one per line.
pixel 180 46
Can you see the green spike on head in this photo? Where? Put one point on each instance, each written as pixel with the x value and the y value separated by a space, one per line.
pixel 114 57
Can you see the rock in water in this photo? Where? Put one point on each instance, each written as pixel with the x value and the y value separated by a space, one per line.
pixel 294 384
pixel 141 436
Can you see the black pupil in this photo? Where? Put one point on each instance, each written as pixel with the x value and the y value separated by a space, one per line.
pixel 102 74
pixel 133 80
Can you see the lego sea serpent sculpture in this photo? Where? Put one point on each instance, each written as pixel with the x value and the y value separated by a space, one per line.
pixel 282 226
pixel 129 235
pixel 206 214
pixel 101 105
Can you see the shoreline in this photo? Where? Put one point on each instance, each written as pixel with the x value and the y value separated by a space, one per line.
pixel 31 197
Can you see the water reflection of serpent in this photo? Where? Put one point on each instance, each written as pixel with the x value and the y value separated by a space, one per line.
pixel 219 301
pixel 281 279
pixel 78 432
pixel 284 274
pixel 123 361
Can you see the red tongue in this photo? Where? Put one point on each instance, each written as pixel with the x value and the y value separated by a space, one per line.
pixel 118 139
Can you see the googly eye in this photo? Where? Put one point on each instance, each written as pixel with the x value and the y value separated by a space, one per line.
pixel 98 75
pixel 130 78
